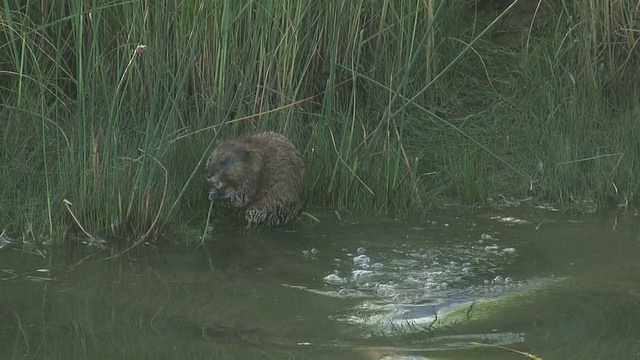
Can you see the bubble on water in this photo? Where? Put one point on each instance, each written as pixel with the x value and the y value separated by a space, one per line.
pixel 385 290
pixel 358 274
pixel 361 260
pixel 333 279
pixel 433 272
pixel 369 285
pixel 311 254
pixel 351 293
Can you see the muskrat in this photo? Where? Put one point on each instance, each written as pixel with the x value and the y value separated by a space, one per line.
pixel 257 176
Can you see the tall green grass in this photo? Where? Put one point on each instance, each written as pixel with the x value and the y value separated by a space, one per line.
pixel 108 107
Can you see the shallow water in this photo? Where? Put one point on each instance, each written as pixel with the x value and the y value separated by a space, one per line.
pixel 487 285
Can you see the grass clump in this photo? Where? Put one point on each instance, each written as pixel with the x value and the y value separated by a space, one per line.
pixel 110 106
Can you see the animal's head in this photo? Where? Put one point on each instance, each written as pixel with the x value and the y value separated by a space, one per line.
pixel 228 166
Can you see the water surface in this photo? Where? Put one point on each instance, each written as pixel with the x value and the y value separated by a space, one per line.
pixel 499 284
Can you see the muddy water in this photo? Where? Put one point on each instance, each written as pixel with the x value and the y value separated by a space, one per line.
pixel 507 284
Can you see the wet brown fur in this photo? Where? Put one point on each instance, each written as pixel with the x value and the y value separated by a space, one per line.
pixel 257 176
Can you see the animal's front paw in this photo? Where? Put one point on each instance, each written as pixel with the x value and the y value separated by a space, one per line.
pixel 213 195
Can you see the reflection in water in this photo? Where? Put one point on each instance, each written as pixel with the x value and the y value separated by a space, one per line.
pixel 470 287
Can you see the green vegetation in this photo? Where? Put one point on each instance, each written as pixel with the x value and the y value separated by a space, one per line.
pixel 112 105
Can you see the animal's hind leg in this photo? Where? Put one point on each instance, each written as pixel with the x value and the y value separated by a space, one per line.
pixel 255 216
